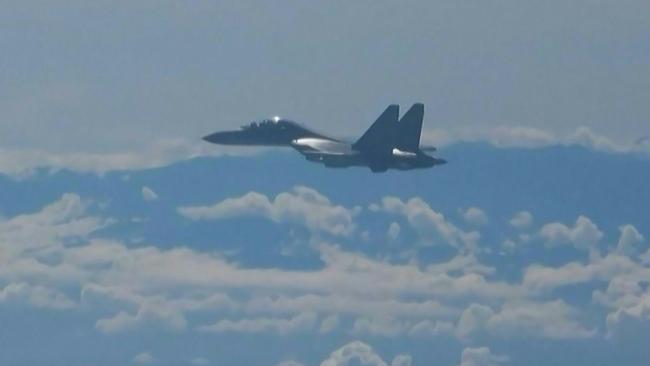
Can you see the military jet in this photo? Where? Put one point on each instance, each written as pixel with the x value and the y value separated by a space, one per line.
pixel 390 143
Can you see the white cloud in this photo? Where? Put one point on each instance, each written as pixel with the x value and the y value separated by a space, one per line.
pixel 467 264
pixel 553 320
pixel 428 328
pixel 473 320
pixel 303 206
pixel 481 356
pixel 584 235
pixel 538 277
pixel 645 257
pixel 379 326
pixel 300 323
pixel 633 319
pixel 150 310
pixel 531 137
pixel 519 136
pixel 431 225
pixel 148 286
pixel 38 296
pixel 583 136
pixel 629 241
pixel 622 292
pixel 508 246
pixel 393 231
pixel 22 163
pixel 628 299
pixel 124 321
pixel 144 358
pixel 63 219
pixel 149 194
pixel 522 220
pixel 357 352
pixel 329 324
pixel 402 360
pixel 475 216
pixel 350 304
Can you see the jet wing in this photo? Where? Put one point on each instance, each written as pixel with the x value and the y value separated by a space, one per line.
pixel 319 146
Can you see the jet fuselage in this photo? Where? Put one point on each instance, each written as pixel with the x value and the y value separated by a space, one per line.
pixel 384 146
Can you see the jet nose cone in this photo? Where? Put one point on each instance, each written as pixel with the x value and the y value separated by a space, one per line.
pixel 218 137
pixel 441 161
pixel 210 138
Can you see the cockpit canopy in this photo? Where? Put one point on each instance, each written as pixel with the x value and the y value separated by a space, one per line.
pixel 269 123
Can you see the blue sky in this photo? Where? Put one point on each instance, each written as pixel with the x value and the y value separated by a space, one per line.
pixel 504 254
pixel 124 239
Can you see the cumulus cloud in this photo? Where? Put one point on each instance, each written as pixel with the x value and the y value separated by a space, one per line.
pixel 632 319
pixel 393 231
pixel 428 328
pixel 302 205
pixel 124 321
pixel 329 324
pixel 545 278
pixel 522 220
pixel 430 224
pixel 60 222
pixel 22 163
pixel 149 194
pixel 300 323
pixel 481 356
pixel 349 303
pixel 474 216
pixel 150 310
pixel 628 299
pixel 379 326
pixel 146 286
pixel 532 137
pixel 37 296
pixel 109 272
pixel 508 245
pixel 583 136
pixel 520 136
pixel 583 235
pixel 473 320
pixel 402 360
pixel 553 320
pixel 357 352
pixel 629 241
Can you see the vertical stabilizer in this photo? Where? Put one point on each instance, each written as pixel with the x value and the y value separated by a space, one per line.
pixel 409 129
pixel 379 136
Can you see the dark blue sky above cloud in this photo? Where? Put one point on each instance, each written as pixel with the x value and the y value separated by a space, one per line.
pixel 555 184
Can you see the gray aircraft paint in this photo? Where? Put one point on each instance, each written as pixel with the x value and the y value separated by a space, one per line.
pixel 389 143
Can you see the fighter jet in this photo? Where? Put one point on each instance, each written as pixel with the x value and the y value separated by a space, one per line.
pixel 388 144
